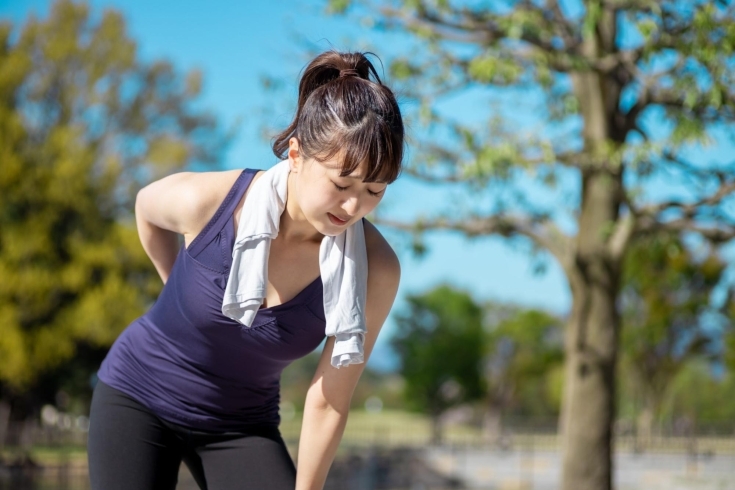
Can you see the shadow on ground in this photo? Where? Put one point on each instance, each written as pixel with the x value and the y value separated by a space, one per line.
pixel 386 469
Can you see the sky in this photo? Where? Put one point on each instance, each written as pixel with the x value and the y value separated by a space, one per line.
pixel 236 44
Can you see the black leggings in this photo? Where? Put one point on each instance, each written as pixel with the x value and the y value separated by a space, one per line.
pixel 131 448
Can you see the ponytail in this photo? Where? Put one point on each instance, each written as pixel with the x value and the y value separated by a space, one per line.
pixel 344 107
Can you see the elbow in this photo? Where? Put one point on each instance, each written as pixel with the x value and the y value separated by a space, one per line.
pixel 140 198
pixel 143 196
pixel 319 402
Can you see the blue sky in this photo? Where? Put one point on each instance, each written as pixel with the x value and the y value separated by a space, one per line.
pixel 235 44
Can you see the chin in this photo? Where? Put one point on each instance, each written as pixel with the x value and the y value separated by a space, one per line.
pixel 331 230
pixel 326 229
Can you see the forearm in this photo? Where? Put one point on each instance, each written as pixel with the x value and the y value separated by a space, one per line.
pixel 161 245
pixel 321 433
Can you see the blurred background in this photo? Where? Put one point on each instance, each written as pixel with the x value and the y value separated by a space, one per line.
pixel 564 223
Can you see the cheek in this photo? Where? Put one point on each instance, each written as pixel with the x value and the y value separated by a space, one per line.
pixel 322 200
pixel 370 205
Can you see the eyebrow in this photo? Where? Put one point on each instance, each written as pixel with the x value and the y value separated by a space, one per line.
pixel 360 178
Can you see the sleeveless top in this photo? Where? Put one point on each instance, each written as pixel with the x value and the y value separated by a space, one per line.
pixel 193 366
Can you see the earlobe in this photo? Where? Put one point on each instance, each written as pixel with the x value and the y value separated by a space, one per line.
pixel 293 154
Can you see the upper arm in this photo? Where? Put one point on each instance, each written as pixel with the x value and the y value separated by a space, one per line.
pixel 182 202
pixel 337 385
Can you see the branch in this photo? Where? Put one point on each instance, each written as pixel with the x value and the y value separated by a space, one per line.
pixel 485 30
pixel 720 173
pixel 689 210
pixel 433 179
pixel 621 236
pixel 545 235
pixel 713 234
pixel 648 218
pixel 642 5
pixel 567 29
pixel 677 100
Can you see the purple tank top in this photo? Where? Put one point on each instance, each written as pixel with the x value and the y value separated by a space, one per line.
pixel 193 366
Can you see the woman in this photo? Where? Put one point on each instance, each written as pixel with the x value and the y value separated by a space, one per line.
pixel 185 382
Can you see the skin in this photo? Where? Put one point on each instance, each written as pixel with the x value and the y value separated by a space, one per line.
pixel 183 203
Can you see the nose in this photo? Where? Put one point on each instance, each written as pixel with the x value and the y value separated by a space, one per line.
pixel 351 205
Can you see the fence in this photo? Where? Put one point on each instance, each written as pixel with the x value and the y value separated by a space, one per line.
pixel 392 450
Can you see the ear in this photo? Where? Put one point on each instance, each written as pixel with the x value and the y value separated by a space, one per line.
pixel 294 157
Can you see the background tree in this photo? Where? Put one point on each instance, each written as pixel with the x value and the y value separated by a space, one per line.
pixel 439 342
pixel 524 354
pixel 626 88
pixel 700 398
pixel 729 342
pixel 84 124
pixel 668 317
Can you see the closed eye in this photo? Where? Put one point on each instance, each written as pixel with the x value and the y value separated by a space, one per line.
pixel 374 194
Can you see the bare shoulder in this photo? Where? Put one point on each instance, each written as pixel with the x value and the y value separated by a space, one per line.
pixel 185 201
pixel 382 259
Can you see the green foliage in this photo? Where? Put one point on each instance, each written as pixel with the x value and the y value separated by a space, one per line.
pixel 439 342
pixel 701 397
pixel 491 69
pixel 337 6
pixel 83 124
pixel 296 379
pixel 666 302
pixel 729 357
pixel 524 361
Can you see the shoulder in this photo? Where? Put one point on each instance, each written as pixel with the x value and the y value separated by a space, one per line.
pixel 185 201
pixel 195 187
pixel 382 260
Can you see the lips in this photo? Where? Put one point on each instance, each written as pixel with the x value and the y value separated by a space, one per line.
pixel 337 221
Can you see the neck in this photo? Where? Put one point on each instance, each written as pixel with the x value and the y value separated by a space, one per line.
pixel 294 227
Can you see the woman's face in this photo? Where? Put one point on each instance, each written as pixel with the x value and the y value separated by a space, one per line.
pixel 326 199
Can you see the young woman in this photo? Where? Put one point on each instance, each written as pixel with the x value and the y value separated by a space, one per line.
pixel 186 383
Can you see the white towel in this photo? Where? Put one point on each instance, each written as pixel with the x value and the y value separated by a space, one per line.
pixel 342 264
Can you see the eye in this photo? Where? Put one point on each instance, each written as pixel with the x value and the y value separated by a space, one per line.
pixel 340 188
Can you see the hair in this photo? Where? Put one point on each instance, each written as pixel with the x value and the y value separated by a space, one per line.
pixel 340 109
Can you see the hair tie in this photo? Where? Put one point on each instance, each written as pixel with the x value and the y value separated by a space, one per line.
pixel 348 72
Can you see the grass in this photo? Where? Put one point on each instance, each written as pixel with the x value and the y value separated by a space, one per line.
pixel 50 456
pixel 393 428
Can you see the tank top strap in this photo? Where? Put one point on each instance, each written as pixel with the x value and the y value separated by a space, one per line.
pixel 224 212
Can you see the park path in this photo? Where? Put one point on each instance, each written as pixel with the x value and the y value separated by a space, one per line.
pixel 540 470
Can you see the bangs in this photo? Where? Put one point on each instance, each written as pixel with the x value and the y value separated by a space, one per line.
pixel 351 119
pixel 373 143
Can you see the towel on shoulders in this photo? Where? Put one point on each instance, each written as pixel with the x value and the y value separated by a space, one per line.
pixel 342 265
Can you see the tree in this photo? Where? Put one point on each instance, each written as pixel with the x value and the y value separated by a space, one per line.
pixel 699 398
pixel 729 342
pixel 604 69
pixel 668 316
pixel 84 124
pixel 439 343
pixel 524 347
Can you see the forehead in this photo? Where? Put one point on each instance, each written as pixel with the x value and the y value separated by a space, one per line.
pixel 334 168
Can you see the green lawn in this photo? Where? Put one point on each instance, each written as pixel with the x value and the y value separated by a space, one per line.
pixel 391 428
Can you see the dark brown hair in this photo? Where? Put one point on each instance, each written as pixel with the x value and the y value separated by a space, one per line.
pixel 341 109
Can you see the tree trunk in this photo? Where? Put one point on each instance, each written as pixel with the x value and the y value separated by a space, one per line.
pixel 644 428
pixel 593 270
pixel 4 423
pixel 492 424
pixel 588 407
pixel 436 429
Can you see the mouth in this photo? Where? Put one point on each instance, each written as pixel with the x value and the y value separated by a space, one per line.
pixel 337 221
